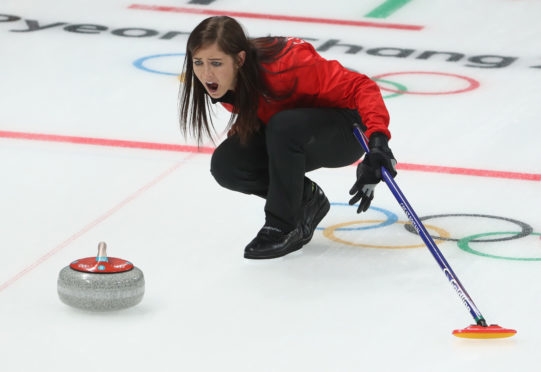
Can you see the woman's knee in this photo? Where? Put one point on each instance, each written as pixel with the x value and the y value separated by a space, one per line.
pixel 220 167
pixel 238 170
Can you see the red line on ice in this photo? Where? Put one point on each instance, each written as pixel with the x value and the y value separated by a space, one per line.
pixel 470 172
pixel 104 142
pixel 210 150
pixel 274 17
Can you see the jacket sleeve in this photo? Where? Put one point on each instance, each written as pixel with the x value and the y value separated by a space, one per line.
pixel 332 85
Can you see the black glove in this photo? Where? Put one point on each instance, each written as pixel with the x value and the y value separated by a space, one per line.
pixel 369 171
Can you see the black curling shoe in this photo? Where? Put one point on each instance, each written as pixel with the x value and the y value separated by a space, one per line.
pixel 314 209
pixel 271 242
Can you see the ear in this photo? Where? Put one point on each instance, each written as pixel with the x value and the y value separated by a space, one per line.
pixel 241 57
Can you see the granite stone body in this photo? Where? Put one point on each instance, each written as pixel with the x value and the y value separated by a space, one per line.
pixel 101 292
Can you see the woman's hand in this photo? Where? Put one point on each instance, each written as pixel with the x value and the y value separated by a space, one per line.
pixel 369 171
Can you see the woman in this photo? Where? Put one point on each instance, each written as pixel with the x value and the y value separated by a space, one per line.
pixel 292 112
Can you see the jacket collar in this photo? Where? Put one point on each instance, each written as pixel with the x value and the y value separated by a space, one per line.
pixel 228 97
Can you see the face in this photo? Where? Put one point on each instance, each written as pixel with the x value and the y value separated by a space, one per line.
pixel 216 70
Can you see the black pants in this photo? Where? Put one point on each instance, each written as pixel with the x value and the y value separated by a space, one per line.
pixel 274 161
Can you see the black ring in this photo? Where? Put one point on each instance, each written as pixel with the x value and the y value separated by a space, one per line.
pixel 525 228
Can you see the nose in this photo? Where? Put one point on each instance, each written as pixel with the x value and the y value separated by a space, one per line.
pixel 207 73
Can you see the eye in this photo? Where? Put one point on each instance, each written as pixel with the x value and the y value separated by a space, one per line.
pixel 216 64
pixel 198 63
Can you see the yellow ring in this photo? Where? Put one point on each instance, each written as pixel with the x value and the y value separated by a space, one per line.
pixel 329 233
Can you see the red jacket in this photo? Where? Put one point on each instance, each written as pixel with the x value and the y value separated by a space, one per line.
pixel 321 83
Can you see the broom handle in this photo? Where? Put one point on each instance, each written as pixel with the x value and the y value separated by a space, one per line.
pixel 423 233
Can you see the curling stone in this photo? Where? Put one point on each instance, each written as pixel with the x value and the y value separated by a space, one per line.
pixel 101 283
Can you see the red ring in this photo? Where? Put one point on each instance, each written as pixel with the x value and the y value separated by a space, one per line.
pixel 474 84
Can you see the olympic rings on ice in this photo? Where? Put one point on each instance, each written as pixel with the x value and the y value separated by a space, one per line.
pixel 464 243
pixel 163 63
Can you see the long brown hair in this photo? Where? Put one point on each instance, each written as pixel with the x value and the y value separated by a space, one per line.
pixel 231 39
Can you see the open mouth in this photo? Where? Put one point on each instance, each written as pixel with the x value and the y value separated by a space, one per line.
pixel 212 87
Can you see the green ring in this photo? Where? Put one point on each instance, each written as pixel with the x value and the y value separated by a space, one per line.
pixel 464 245
pixel 398 86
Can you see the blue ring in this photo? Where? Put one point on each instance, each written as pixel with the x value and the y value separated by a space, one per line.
pixel 391 218
pixel 139 63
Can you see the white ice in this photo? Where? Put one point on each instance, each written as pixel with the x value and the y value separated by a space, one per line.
pixel 329 307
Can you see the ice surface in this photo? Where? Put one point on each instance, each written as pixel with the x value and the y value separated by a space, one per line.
pixel 329 307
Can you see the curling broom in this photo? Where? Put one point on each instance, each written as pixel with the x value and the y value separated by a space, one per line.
pixel 478 330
